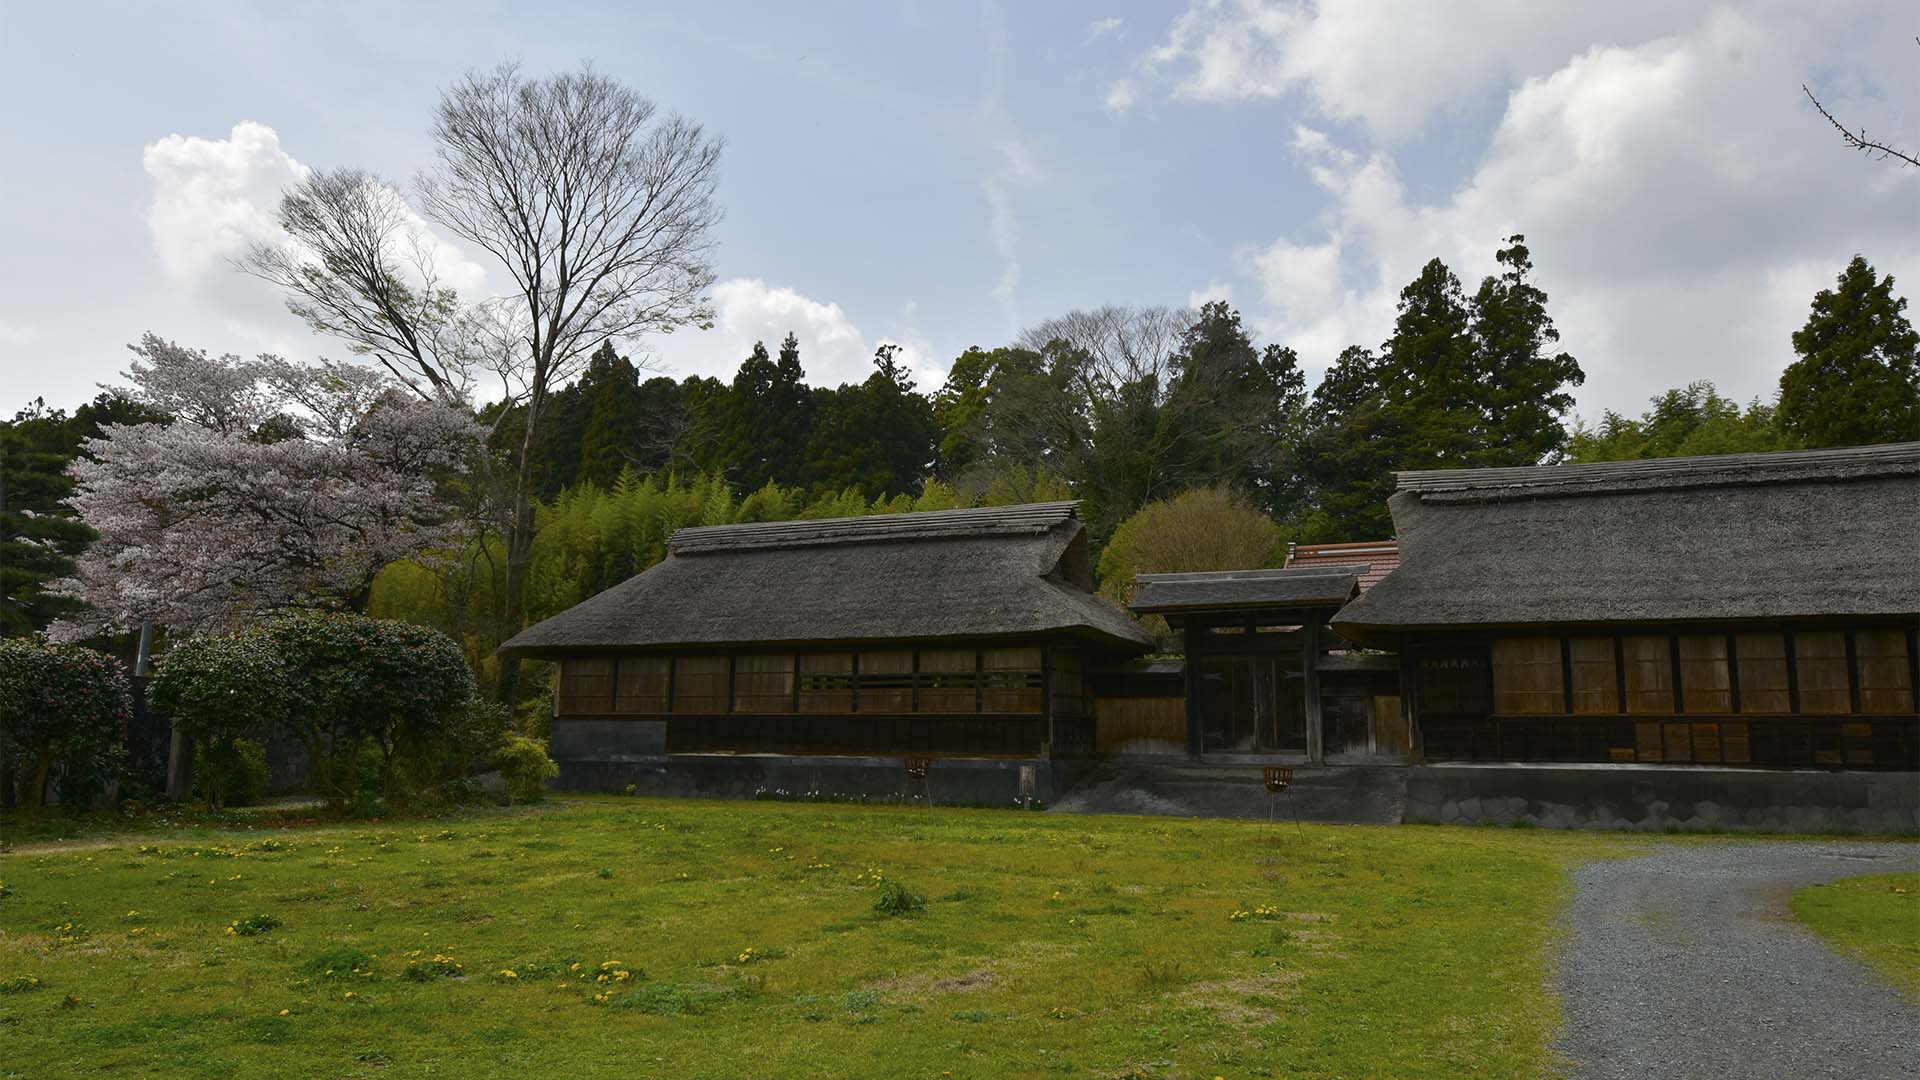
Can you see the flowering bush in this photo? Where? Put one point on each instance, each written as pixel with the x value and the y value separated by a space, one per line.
pixel 64 706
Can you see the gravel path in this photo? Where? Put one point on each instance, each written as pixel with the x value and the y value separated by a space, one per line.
pixel 1688 963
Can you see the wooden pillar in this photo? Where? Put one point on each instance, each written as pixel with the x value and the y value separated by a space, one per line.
pixel 1188 635
pixel 1310 670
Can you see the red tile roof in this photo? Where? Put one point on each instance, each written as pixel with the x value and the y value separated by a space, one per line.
pixel 1380 557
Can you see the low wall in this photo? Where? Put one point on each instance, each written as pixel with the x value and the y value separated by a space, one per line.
pixel 1657 798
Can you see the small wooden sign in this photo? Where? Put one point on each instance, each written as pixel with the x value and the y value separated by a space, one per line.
pixel 1277 777
pixel 917 767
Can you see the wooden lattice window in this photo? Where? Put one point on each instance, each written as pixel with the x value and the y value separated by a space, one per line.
pixel 1453 686
pixel 586 687
pixel 1705 683
pixel 949 681
pixel 700 684
pixel 1820 660
pixel 763 683
pixel 1010 681
pixel 886 682
pixel 1593 676
pixel 1648 674
pixel 1527 676
pixel 826 683
pixel 643 684
pixel 1762 661
pixel 1886 674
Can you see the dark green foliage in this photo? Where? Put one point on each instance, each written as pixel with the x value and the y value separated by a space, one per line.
pixel 1857 381
pixel 1232 414
pixel 525 766
pixel 893 898
pixel 231 772
pixel 345 685
pixel 1459 385
pixel 768 418
pixel 1681 423
pixel 64 706
pixel 877 437
pixel 39 536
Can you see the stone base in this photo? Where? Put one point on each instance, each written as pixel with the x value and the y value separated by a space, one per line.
pixel 949 782
pixel 1656 798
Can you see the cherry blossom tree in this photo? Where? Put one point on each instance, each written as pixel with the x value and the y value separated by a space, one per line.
pixel 277 486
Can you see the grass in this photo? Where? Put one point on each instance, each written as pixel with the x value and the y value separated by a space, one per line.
pixel 1875 917
pixel 702 939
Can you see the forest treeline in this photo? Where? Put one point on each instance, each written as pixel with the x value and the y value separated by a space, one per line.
pixel 1123 408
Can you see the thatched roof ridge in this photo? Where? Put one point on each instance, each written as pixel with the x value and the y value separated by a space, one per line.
pixel 1239 590
pixel 1529 481
pixel 988 573
pixel 979 521
pixel 1749 537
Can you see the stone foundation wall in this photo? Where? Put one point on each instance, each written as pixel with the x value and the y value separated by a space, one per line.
pixel 950 781
pixel 1658 799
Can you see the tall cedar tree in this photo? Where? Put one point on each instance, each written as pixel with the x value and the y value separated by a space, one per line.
pixel 1524 401
pixel 769 418
pixel 1232 413
pixel 39 534
pixel 614 416
pixel 1458 385
pixel 877 437
pixel 1857 381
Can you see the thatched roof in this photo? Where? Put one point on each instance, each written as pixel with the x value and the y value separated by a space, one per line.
pixel 992 572
pixel 1805 534
pixel 1245 590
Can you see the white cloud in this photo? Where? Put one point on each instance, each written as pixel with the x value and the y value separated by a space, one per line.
pixel 1121 97
pixel 1216 291
pixel 13 332
pixel 213 198
pixel 1102 27
pixel 1016 169
pixel 832 348
pixel 1681 205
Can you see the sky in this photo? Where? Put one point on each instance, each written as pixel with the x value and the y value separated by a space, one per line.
pixel 942 175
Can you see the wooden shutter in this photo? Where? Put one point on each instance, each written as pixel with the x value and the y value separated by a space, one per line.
pixel 1762 660
pixel 700 684
pixel 1820 660
pixel 642 685
pixel 826 682
pixel 1593 677
pixel 1705 686
pixel 1010 680
pixel 948 681
pixel 886 682
pixel 586 687
pixel 1649 674
pixel 763 683
pixel 1527 676
pixel 1886 679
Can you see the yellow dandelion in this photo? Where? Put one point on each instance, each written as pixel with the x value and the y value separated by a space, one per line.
pixel 283 1012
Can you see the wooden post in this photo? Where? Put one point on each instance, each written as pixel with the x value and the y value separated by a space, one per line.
pixel 1310 661
pixel 1192 673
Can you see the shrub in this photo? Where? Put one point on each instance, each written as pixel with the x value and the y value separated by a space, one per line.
pixel 525 766
pixel 353 689
pixel 895 899
pixel 232 772
pixel 60 705
pixel 1210 528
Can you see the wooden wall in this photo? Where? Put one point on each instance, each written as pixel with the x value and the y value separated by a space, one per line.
pixel 1142 725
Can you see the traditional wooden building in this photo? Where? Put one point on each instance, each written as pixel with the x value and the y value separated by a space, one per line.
pixel 816 655
pixel 1738 610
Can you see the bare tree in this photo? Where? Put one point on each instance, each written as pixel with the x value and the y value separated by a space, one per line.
pixel 357 265
pixel 598 207
pixel 1856 138
pixel 601 212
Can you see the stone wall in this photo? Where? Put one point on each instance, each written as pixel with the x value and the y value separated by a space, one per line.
pixel 950 781
pixel 1663 798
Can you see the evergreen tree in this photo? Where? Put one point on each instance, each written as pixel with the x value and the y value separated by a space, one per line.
pixel 1523 395
pixel 1857 381
pixel 1232 413
pixel 1686 422
pixel 878 438
pixel 614 416
pixel 769 418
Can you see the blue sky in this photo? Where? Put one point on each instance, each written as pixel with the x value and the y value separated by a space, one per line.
pixel 941 175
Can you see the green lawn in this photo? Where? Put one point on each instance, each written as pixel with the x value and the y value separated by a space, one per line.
pixel 1049 945
pixel 1875 917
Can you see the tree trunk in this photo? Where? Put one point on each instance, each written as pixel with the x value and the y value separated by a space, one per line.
pixel 519 549
pixel 33 797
